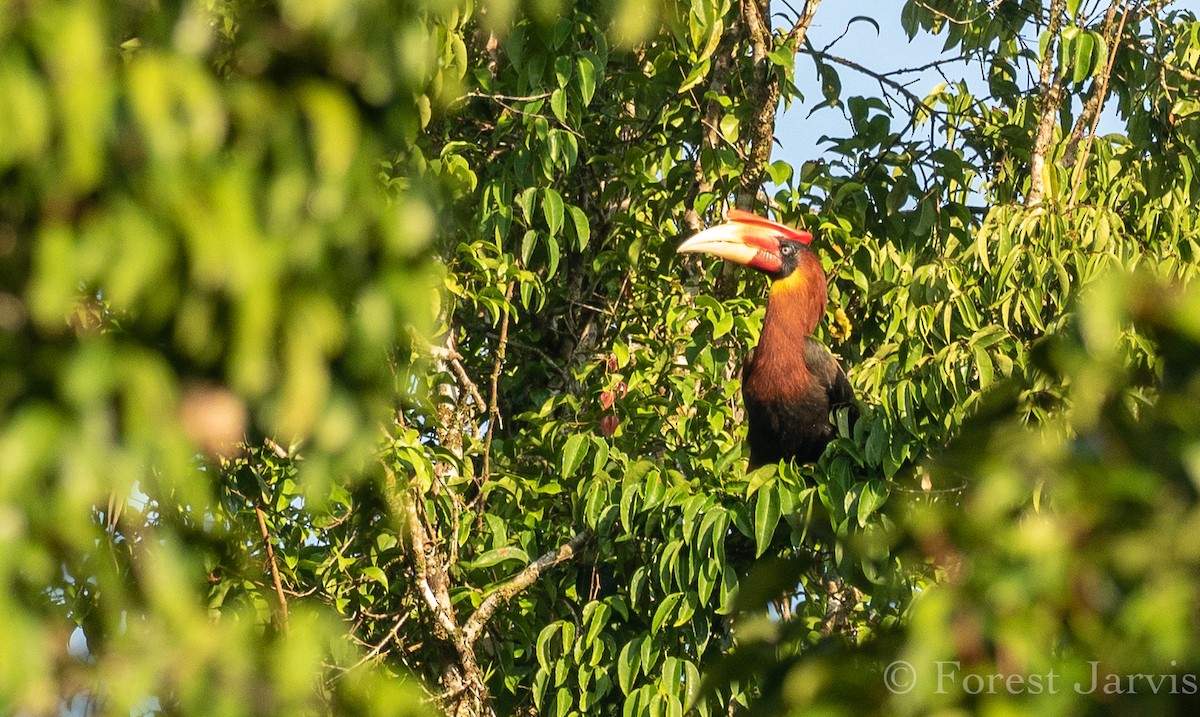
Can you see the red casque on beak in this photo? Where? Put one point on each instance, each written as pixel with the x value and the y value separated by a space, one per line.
pixel 747 239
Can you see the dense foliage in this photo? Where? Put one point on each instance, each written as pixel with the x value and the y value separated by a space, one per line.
pixel 418 259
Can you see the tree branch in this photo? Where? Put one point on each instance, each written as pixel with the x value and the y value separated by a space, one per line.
pixel 969 21
pixel 392 635
pixel 497 367
pixel 518 583
pixel 274 567
pixel 1090 116
pixel 1050 85
pixel 467 383
pixel 766 91
pixel 435 594
pixel 463 682
pixel 1099 91
pixel 882 78
pixel 840 601
pixel 710 117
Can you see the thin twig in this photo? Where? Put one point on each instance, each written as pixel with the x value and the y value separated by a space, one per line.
pixel 377 648
pixel 277 449
pixel 516 584
pixel 466 381
pixel 266 536
pixel 494 406
pixel 476 94
pixel 1050 85
pixel 538 115
pixel 912 97
pixel 956 21
pixel 921 68
pixel 1094 105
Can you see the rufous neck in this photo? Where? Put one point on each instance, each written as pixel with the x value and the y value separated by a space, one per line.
pixel 795 306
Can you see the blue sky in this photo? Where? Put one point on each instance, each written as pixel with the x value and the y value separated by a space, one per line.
pixel 797 134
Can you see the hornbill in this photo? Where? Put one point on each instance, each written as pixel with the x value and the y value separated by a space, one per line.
pixel 790 382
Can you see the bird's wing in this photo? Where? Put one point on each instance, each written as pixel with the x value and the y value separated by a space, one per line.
pixel 748 365
pixel 824 367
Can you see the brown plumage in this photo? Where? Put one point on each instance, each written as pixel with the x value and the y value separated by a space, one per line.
pixel 790 382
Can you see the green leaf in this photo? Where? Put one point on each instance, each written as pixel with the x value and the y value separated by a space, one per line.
pixel 374 573
pixel 594 504
pixel 696 76
pixel 527 201
pixel 553 254
pixel 664 611
pixel 766 518
pixel 983 364
pixel 687 609
pixel 1084 44
pixel 1044 42
pixel 528 244
pixel 542 646
pixel 552 208
pixel 558 104
pixel 562 71
pixel 729 125
pixel 629 495
pixel 573 454
pixel 706 580
pixel 1101 51
pixel 629 663
pixel 864 18
pixel 779 172
pixel 499 555
pixel 759 477
pixel 909 20
pixel 595 617
pixel 621 352
pixel 981 250
pixel 563 701
pixel 872 497
pixel 587 78
pixel 583 228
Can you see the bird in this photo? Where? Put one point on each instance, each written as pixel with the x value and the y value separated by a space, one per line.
pixel 790 382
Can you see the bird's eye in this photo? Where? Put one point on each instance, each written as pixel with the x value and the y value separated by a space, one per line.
pixel 787 250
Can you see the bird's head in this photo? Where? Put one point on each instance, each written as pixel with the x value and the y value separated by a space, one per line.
pixel 797 280
pixel 774 249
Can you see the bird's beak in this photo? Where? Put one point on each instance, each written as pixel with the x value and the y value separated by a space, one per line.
pixel 746 239
pixel 730 241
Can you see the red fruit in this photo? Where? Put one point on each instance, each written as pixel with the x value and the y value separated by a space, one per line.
pixel 608 425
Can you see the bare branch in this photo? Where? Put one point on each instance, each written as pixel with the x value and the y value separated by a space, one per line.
pixel 1090 116
pixel 377 648
pixel 419 550
pixel 476 94
pixel 958 21
pixel 883 78
pixel 275 448
pixel 467 383
pixel 282 615
pixel 497 367
pixel 840 601
pixel 766 90
pixel 519 582
pixel 1050 86
pixel 921 68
